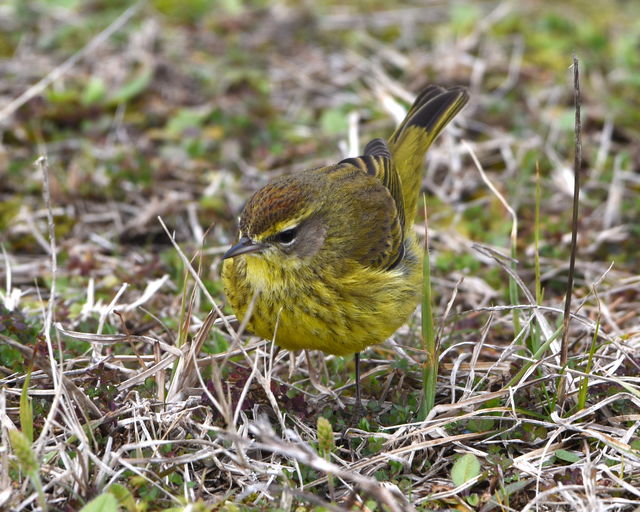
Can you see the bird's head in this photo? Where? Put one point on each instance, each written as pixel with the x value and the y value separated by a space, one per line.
pixel 282 221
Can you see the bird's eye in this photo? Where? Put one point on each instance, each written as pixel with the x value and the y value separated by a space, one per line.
pixel 286 237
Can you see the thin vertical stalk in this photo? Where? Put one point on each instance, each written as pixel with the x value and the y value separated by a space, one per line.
pixel 577 164
pixel 430 370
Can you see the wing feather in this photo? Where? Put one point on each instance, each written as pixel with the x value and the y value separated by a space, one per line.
pixel 377 162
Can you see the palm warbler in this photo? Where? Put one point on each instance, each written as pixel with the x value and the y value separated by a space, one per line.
pixel 328 255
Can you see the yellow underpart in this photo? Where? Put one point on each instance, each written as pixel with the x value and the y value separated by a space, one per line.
pixel 336 314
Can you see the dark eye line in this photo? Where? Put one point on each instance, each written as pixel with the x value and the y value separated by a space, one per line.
pixel 286 236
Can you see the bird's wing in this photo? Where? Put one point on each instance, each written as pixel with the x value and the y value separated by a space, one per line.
pixel 377 162
pixel 389 223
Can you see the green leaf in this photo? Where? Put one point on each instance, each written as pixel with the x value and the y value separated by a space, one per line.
pixel 465 468
pixel 94 92
pixel 567 456
pixel 400 364
pixel 104 503
pixel 480 424
pixel 473 499
pixel 133 87
pixel 364 424
pixel 371 505
pixel 465 16
pixel 9 356
pixel 334 122
pixel 233 7
pixel 187 118
pixel 184 11
pixel 124 497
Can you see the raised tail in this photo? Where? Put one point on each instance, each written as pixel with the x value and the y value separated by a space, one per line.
pixel 431 111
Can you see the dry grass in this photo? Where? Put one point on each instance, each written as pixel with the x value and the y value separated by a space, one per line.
pixel 118 353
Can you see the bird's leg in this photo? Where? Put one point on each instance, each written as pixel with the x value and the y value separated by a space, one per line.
pixel 358 401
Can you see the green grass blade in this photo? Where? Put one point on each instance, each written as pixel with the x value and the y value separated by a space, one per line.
pixel 430 370
pixel 26 409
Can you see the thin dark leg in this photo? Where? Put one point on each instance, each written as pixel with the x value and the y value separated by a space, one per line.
pixel 358 401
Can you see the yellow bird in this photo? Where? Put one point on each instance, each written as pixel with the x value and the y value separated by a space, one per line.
pixel 328 255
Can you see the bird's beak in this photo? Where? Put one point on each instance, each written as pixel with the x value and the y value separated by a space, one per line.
pixel 244 246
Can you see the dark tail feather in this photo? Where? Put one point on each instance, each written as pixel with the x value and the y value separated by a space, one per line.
pixel 432 110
